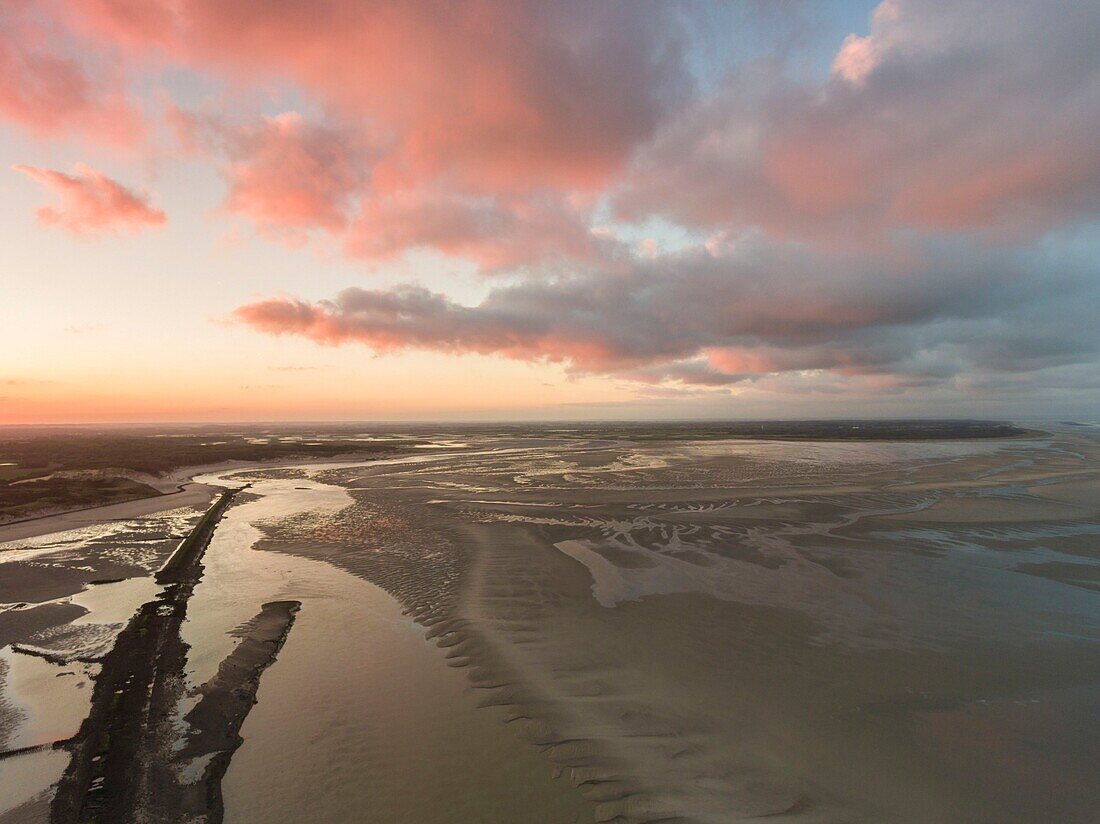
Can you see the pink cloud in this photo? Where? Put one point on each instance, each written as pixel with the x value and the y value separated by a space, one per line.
pixel 492 95
pixel 762 360
pixel 945 117
pixel 453 125
pixel 411 317
pixel 287 175
pixel 51 93
pixel 856 59
pixel 91 204
pixel 659 311
pixel 495 234
pixel 762 310
pixel 387 321
pixel 859 56
pixel 469 127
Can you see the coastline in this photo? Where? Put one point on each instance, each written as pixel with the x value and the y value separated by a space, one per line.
pixel 638 746
pixel 187 493
pixel 476 751
pixel 179 488
pixel 592 673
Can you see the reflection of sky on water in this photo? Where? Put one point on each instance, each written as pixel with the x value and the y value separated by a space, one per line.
pixel 883 598
pixel 1000 545
pixel 538 465
pixel 109 536
pixel 897 586
pixel 923 587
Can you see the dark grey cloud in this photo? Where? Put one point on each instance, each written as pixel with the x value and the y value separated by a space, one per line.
pixel 915 316
pixel 921 221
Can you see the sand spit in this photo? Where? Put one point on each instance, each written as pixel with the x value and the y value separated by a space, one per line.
pixel 176 489
pixel 191 495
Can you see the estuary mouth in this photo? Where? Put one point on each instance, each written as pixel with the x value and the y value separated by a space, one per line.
pixel 558 630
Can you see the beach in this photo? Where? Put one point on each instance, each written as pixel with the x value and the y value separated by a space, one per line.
pixel 561 629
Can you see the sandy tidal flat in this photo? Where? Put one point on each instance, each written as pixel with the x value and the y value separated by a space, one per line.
pixel 562 630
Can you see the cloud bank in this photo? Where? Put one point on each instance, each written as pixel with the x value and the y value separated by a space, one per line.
pixel 921 211
pixel 699 319
pixel 963 117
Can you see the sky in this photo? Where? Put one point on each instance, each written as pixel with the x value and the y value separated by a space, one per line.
pixel 223 210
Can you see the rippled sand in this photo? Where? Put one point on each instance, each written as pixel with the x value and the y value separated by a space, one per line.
pixel 699 632
pixel 717 632
pixel 358 719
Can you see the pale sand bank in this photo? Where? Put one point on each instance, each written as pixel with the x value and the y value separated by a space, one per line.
pixel 979 510
pixel 192 495
pixel 1083 493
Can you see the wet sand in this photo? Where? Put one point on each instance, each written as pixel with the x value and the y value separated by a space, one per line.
pixel 176 490
pixel 699 632
pixel 715 633
pixel 359 717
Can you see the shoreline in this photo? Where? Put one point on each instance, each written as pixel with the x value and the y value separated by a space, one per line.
pixel 710 592
pixel 188 492
pixel 144 688
pixel 119 767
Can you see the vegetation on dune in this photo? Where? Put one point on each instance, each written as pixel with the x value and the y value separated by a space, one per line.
pixel 23 500
pixel 157 454
pixel 45 472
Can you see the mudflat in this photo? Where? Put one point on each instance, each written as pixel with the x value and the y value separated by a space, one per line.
pixel 562 627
